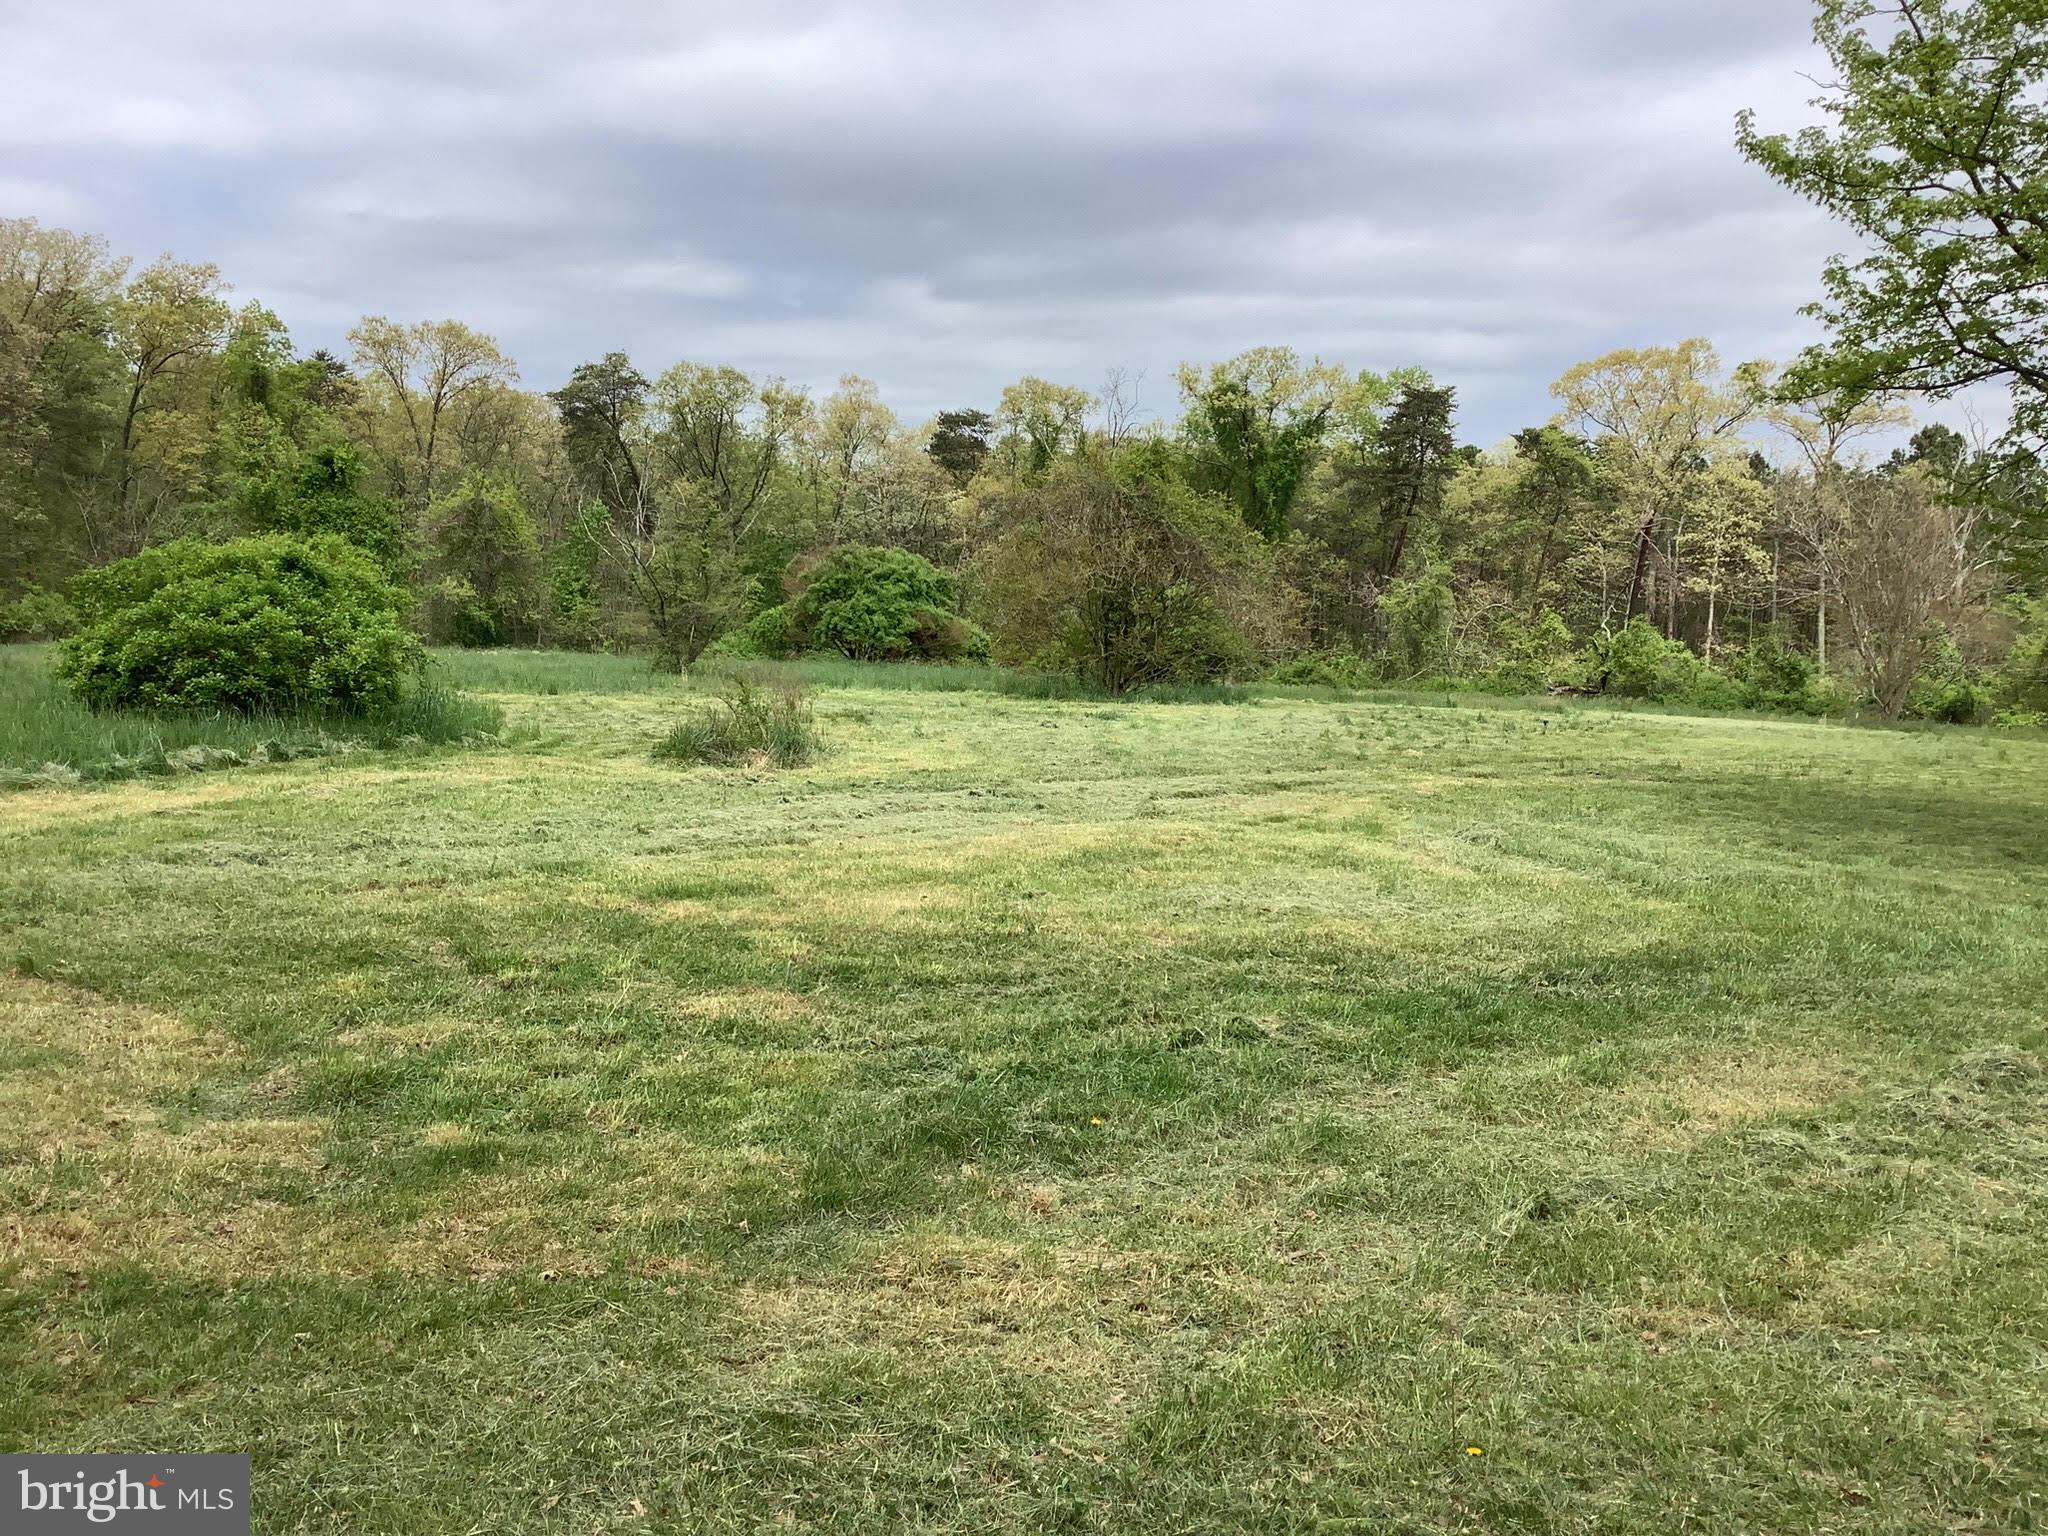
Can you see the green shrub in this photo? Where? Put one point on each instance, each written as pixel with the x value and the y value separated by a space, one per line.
pixel 1329 669
pixel 1767 674
pixel 1636 662
pixel 752 722
pixel 1527 655
pixel 2020 686
pixel 1419 615
pixel 881 605
pixel 765 635
pixel 1945 689
pixel 1952 701
pixel 275 623
pixel 948 637
pixel 1135 634
pixel 38 614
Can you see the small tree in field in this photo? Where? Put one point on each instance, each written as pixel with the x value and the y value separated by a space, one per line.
pixel 692 584
pixel 1123 576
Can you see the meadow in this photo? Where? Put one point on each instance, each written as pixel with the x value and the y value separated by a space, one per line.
pixel 1260 1112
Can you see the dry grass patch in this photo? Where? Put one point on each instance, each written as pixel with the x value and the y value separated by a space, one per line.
pixel 85 1073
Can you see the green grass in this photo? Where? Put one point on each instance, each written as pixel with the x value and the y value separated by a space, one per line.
pixel 47 735
pixel 1045 1115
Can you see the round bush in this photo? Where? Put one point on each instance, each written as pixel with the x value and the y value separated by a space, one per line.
pixel 882 605
pixel 274 623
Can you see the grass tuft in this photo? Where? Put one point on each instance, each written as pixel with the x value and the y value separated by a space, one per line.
pixel 752 722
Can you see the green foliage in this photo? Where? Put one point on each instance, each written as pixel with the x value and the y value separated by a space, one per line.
pixel 766 635
pixel 573 618
pixel 1946 689
pixel 1324 669
pixel 324 492
pixel 1418 615
pixel 693 585
pixel 1253 426
pixel 1936 157
pixel 1527 655
pixel 2020 686
pixel 37 614
pixel 959 443
pixel 1767 674
pixel 484 564
pixel 1119 573
pixel 1636 662
pixel 273 623
pixel 881 605
pixel 601 408
pixel 754 721
pixel 1129 634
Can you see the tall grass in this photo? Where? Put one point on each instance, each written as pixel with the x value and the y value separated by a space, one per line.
pixel 829 672
pixel 48 735
pixel 552 672
pixel 903 676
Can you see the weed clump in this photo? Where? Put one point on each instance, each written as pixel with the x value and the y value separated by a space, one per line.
pixel 753 722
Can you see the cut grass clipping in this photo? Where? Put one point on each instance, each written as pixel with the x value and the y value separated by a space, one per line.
pixel 752 723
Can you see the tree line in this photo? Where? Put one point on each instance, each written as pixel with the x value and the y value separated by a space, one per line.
pixel 1291 515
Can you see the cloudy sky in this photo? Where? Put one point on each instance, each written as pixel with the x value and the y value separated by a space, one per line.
pixel 947 196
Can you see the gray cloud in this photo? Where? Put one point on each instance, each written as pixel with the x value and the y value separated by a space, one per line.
pixel 946 197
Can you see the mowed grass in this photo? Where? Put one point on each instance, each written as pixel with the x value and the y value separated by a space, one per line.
pixel 1045 1115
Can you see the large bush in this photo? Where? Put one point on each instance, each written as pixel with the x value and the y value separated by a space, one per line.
pixel 1770 675
pixel 1636 662
pixel 882 605
pixel 1121 576
pixel 274 623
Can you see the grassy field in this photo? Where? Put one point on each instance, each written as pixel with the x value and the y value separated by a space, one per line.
pixel 1045 1115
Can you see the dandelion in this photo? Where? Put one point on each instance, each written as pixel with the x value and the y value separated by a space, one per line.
pixel 1473 1450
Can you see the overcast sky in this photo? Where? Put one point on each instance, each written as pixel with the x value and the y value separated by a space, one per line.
pixel 947 196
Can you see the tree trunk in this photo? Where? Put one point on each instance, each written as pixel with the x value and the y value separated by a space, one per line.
pixel 1635 580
